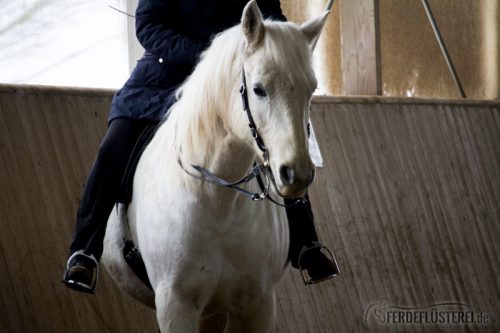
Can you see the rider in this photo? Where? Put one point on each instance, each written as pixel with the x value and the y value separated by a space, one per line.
pixel 173 33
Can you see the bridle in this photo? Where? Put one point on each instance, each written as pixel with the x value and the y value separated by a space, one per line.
pixel 257 170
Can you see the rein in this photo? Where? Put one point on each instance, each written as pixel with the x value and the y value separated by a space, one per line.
pixel 257 170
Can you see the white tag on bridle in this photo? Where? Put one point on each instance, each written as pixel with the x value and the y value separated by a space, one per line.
pixel 314 151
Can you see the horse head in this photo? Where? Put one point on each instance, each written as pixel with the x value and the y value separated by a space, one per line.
pixel 280 80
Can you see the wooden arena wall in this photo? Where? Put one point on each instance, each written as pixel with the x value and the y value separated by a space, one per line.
pixel 408 200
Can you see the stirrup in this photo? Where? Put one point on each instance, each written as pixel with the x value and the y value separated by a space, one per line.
pixel 308 280
pixel 78 285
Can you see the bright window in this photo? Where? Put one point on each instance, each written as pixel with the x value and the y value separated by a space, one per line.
pixel 65 42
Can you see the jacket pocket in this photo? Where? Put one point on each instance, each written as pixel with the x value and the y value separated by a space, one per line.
pixel 153 72
pixel 146 72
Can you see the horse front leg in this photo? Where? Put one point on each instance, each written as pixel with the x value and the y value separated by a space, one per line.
pixel 176 311
pixel 257 317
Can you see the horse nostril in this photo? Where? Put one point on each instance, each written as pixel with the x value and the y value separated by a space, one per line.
pixel 287 175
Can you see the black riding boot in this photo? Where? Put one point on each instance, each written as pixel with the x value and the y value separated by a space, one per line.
pixel 306 252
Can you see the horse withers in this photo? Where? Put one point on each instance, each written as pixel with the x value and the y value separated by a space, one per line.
pixel 209 249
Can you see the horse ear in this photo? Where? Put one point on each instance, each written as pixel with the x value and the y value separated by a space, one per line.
pixel 252 23
pixel 312 28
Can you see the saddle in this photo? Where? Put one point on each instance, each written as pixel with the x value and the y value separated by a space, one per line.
pixel 126 186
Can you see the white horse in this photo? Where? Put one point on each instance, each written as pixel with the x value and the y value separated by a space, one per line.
pixel 209 249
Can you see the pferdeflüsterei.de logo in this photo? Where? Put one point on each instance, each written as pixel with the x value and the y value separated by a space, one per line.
pixel 444 314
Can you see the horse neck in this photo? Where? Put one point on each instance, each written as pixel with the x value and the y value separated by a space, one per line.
pixel 206 131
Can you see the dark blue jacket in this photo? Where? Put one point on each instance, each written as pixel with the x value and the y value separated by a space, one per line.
pixel 174 33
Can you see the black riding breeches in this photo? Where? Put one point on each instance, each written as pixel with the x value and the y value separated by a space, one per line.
pixel 103 183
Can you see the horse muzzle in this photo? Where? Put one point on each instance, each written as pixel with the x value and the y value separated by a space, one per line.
pixel 293 182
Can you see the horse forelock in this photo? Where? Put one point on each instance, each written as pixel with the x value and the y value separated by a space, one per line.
pixel 289 51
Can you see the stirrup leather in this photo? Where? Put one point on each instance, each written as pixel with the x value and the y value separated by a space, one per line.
pixel 308 280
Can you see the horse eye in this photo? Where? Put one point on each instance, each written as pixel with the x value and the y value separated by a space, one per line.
pixel 259 91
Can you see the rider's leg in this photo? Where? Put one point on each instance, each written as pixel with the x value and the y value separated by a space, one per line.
pixel 99 197
pixel 304 239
